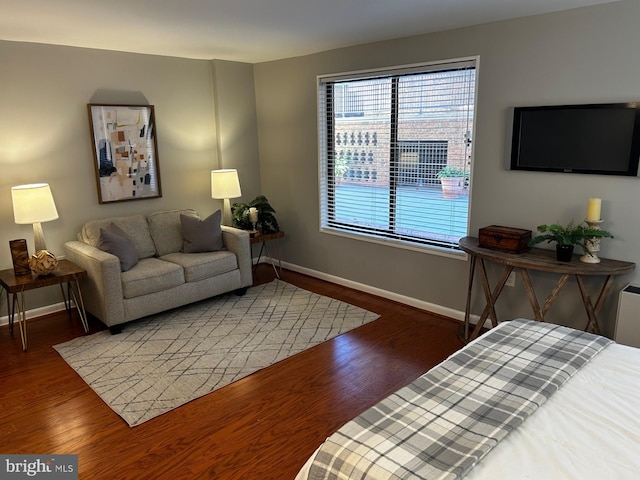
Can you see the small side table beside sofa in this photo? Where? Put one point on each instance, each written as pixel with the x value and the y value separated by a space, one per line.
pixel 16 286
pixel 263 239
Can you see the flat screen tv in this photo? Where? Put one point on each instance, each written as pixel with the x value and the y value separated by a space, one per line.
pixel 599 138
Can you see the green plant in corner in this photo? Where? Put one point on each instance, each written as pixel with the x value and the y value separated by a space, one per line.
pixel 570 234
pixel 267 222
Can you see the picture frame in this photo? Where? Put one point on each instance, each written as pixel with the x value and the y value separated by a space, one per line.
pixel 125 152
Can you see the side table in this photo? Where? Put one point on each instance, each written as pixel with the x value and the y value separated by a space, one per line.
pixel 263 239
pixel 65 272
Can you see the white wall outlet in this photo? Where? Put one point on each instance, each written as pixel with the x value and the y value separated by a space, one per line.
pixel 511 280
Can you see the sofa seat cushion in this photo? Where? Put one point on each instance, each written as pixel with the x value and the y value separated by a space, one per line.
pixel 198 266
pixel 135 226
pixel 151 275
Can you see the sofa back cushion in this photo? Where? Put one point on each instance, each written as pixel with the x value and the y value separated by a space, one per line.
pixel 135 227
pixel 166 230
pixel 116 242
pixel 202 235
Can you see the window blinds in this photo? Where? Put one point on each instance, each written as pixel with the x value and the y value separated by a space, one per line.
pixel 383 138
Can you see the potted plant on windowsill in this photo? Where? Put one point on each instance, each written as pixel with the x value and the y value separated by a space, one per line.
pixel 452 180
pixel 567 236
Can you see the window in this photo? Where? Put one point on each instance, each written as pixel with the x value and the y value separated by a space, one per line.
pixel 384 137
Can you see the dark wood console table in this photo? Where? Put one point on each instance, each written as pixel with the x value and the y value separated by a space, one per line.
pixel 541 260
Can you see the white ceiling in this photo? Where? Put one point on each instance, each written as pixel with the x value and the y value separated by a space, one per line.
pixel 248 30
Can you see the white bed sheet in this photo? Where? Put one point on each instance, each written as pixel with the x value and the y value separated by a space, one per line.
pixel 588 430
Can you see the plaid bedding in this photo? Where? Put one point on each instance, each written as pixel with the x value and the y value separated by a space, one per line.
pixel 442 424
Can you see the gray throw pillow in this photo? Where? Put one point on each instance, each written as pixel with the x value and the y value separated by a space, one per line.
pixel 116 242
pixel 201 235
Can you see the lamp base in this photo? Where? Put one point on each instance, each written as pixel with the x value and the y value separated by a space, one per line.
pixel 226 213
pixel 38 237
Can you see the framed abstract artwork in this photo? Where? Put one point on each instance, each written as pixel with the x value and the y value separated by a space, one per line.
pixel 125 152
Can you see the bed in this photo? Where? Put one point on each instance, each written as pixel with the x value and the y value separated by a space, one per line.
pixel 587 426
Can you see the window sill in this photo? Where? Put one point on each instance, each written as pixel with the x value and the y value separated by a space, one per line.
pixel 404 245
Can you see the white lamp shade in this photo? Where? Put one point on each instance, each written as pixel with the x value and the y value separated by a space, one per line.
pixel 225 184
pixel 33 203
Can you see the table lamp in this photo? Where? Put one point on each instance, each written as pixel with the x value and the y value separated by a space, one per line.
pixel 225 185
pixel 34 204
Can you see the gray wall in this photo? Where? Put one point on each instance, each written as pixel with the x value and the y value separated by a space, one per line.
pixel 45 136
pixel 587 55
pixel 206 118
pixel 235 107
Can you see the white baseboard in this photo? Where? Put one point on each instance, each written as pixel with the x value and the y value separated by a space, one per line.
pixel 36 312
pixel 414 302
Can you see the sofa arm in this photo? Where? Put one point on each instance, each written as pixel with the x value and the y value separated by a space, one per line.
pixel 237 241
pixel 102 291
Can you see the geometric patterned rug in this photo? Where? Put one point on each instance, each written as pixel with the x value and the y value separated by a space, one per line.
pixel 166 360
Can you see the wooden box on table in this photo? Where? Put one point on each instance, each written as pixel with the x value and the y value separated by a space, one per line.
pixel 505 239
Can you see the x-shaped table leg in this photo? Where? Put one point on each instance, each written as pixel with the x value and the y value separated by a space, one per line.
pixel 538 312
pixel 592 311
pixel 490 297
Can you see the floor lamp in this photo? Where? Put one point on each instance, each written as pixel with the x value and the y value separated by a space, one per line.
pixel 225 185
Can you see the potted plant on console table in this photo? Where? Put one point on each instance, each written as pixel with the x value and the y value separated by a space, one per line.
pixel 567 236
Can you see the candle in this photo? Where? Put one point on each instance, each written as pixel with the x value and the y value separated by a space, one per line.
pixel 593 209
pixel 253 215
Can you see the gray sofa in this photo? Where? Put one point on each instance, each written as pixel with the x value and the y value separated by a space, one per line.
pixel 164 277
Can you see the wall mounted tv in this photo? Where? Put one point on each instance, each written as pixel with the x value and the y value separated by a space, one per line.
pixel 599 138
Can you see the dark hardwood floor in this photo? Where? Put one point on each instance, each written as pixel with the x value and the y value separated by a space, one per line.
pixel 262 427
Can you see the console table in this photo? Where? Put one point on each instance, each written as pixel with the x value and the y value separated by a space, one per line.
pixel 65 272
pixel 541 260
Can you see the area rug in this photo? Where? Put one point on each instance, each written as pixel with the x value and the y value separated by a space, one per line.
pixel 166 360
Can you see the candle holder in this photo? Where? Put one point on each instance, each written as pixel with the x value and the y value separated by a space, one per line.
pixel 591 245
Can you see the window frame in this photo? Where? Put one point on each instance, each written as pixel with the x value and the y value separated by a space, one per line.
pixel 326 150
